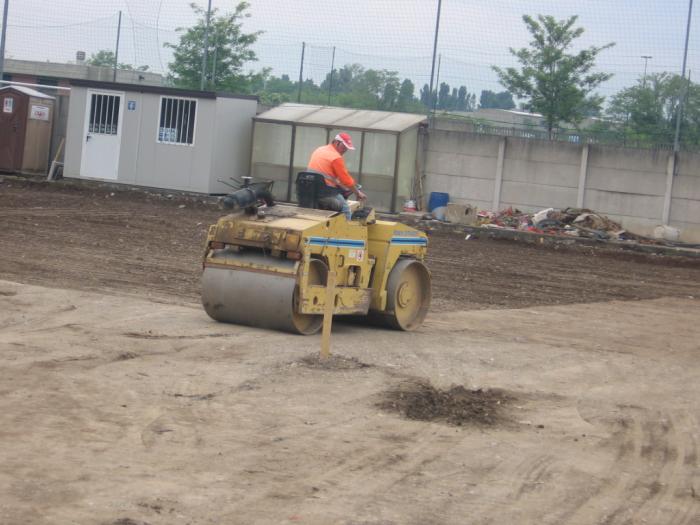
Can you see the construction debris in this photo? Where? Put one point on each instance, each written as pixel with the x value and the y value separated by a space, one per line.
pixel 576 222
pixel 571 222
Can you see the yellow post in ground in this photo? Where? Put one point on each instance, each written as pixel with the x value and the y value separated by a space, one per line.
pixel 328 316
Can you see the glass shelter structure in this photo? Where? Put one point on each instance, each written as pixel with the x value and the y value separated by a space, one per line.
pixel 384 161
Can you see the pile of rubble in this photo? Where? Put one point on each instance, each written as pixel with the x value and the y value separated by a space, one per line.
pixel 575 222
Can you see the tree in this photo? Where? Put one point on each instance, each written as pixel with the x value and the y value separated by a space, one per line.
pixel 556 83
pixel 490 99
pixel 406 95
pixel 357 87
pixel 443 101
pixel 427 98
pixel 353 86
pixel 647 111
pixel 106 58
pixel 462 104
pixel 229 50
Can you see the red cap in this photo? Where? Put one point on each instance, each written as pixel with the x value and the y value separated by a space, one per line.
pixel 345 139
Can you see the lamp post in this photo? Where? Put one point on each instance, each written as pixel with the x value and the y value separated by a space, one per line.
pixel 435 44
pixel 676 140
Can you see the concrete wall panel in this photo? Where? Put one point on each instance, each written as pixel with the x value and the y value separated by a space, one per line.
pixel 689 164
pixel 541 151
pixel 465 143
pixel 540 172
pixel 475 166
pixel 465 188
pixel 627 159
pixel 690 231
pixel 627 204
pixel 686 187
pixel 685 210
pixel 531 197
pixel 627 181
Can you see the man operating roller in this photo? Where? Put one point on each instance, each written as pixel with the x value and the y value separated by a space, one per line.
pixel 328 161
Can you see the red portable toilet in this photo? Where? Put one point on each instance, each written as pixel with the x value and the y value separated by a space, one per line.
pixel 26 117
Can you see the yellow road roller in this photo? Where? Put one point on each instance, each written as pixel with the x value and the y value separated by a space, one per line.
pixel 267 265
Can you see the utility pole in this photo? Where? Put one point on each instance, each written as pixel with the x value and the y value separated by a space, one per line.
pixel 213 67
pixel 2 39
pixel 435 43
pixel 206 49
pixel 676 140
pixel 116 48
pixel 646 59
pixel 330 83
pixel 301 70
pixel 437 83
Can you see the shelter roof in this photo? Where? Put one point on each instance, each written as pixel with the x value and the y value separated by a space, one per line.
pixel 341 118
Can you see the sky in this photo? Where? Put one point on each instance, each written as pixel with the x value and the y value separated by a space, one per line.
pixel 384 34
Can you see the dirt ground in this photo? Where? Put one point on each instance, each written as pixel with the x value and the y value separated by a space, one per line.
pixel 546 386
pixel 88 237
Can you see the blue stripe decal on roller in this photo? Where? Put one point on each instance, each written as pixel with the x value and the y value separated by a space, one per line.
pixel 336 243
pixel 421 241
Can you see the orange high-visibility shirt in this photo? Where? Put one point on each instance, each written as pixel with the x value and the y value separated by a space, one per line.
pixel 328 161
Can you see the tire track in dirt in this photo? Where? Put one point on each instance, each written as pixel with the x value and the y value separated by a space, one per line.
pixel 532 475
pixel 648 473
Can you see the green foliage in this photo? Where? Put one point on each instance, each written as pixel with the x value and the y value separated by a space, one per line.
pixel 106 58
pixel 556 83
pixel 447 99
pixel 228 51
pixel 646 112
pixel 490 99
pixel 351 86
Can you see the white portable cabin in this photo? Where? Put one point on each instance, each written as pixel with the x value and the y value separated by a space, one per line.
pixel 157 137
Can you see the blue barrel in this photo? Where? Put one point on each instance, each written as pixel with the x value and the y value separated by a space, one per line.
pixel 438 200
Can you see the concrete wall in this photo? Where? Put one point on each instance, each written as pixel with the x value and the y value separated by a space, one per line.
pixel 634 187
pixel 463 165
pixel 628 185
pixel 31 71
pixel 685 197
pixel 540 174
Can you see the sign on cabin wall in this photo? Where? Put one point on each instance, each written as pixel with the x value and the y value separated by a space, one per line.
pixel 39 113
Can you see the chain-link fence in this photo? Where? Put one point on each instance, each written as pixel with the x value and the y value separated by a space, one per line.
pixel 395 38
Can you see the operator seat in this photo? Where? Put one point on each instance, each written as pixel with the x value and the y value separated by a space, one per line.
pixel 312 193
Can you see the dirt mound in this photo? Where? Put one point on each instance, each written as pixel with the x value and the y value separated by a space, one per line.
pixel 333 362
pixel 421 401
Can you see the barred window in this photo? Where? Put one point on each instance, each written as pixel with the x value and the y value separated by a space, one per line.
pixel 177 118
pixel 104 114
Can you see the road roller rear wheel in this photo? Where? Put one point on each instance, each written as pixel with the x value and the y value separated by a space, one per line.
pixel 408 295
